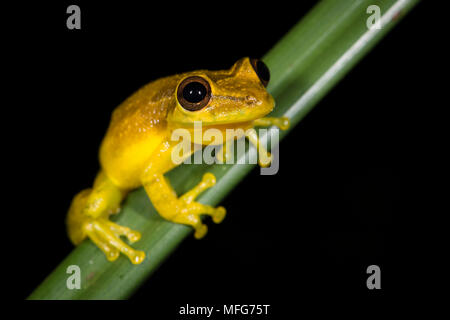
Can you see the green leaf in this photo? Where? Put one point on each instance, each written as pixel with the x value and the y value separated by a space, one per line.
pixel 305 64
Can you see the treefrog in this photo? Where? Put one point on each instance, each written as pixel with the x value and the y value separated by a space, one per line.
pixel 136 150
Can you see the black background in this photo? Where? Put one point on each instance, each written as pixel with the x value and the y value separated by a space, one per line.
pixel 330 211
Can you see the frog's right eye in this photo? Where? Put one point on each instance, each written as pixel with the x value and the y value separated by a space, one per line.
pixel 194 93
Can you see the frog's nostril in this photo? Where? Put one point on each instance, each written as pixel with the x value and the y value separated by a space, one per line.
pixel 250 100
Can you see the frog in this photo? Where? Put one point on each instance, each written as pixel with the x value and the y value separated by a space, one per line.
pixel 136 150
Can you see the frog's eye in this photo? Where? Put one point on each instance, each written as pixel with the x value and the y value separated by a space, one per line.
pixel 194 93
pixel 261 70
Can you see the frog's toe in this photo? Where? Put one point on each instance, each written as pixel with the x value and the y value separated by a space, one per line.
pixel 265 159
pixel 224 155
pixel 106 235
pixel 208 181
pixel 200 231
pixel 283 123
pixel 110 252
pixel 219 214
pixel 119 230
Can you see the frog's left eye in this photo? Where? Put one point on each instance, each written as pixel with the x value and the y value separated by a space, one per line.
pixel 261 70
pixel 194 93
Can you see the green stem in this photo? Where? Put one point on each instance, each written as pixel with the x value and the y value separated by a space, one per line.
pixel 304 65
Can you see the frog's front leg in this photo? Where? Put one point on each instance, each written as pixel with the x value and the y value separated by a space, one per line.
pixel 88 216
pixel 224 155
pixel 264 157
pixel 282 123
pixel 182 209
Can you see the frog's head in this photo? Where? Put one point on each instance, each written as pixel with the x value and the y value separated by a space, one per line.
pixel 223 98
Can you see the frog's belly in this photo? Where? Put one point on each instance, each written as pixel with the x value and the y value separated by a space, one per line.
pixel 124 162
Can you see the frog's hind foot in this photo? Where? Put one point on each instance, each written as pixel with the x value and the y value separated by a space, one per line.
pixel 106 235
pixel 103 233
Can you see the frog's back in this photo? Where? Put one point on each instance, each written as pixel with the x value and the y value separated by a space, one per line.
pixel 136 129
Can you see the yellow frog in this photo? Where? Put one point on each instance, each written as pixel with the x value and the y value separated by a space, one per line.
pixel 137 148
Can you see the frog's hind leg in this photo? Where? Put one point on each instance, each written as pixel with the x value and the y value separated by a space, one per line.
pixel 88 217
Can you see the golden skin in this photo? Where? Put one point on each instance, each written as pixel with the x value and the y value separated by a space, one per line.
pixel 136 151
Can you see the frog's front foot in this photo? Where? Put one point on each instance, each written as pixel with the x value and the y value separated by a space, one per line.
pixel 184 210
pixel 104 233
pixel 190 210
pixel 264 157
